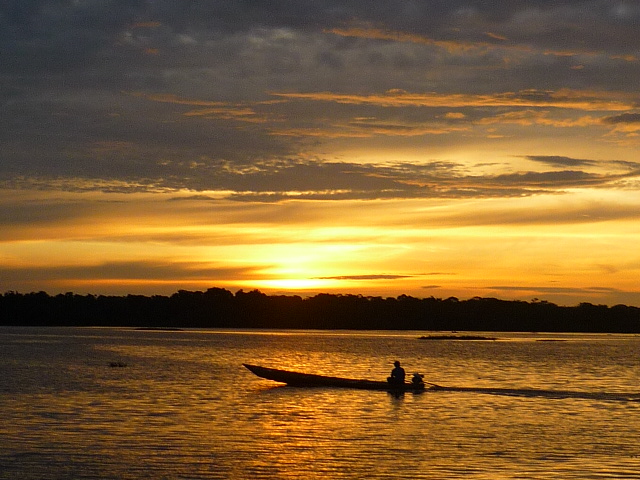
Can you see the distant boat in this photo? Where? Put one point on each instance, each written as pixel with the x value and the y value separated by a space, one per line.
pixel 297 379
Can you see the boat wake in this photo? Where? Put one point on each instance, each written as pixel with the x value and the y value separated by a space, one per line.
pixel 298 379
pixel 554 394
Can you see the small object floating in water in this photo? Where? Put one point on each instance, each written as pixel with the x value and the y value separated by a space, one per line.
pixel 297 379
pixel 117 365
pixel 456 337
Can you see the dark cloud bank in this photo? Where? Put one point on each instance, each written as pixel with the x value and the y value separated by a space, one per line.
pixel 69 69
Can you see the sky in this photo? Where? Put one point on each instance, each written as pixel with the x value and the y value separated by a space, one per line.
pixel 371 147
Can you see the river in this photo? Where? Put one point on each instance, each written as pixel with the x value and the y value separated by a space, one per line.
pixel 116 403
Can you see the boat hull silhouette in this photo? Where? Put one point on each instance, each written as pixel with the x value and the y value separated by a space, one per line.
pixel 298 379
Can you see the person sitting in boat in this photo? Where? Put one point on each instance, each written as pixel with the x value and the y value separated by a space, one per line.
pixel 397 374
pixel 417 380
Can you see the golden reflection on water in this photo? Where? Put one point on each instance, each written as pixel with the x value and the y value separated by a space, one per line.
pixel 184 407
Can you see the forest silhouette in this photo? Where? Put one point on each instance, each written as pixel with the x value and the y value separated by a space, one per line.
pixel 220 308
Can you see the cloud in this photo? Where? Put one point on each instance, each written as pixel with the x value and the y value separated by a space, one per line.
pixel 566 99
pixel 453 47
pixel 161 128
pixel 370 128
pixel 556 179
pixel 348 181
pixel 546 289
pixel 138 270
pixel 495 36
pixel 366 277
pixel 537 117
pixel 64 82
pixel 171 98
pixel 293 179
pixel 622 118
pixel 478 47
pixel 629 169
pixel 560 161
pixel 627 124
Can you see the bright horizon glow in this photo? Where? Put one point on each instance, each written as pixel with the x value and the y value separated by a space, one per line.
pixel 445 256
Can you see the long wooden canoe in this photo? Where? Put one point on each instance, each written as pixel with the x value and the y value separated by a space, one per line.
pixel 297 379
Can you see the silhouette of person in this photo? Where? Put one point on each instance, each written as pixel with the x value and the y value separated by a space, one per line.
pixel 397 374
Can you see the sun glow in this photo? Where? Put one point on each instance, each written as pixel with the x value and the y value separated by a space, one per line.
pixel 298 284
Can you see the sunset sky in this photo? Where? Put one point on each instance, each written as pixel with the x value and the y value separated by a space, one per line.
pixel 376 147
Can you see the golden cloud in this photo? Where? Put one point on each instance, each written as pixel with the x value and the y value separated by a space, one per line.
pixel 378 34
pixel 495 36
pixel 461 47
pixel 626 58
pixel 243 114
pixel 537 117
pixel 364 128
pixel 221 110
pixel 567 99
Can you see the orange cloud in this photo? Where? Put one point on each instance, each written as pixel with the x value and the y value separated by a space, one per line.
pixel 365 130
pixel 567 99
pixel 626 58
pixel 566 53
pixel 536 117
pixel 320 133
pixel 402 129
pixel 495 36
pixel 221 110
pixel 626 127
pixel 228 113
pixel 460 47
pixel 378 34
pixel 575 53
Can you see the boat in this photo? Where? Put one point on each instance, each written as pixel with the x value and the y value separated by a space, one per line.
pixel 298 379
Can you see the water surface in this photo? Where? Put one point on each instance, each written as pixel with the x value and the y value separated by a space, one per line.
pixel 183 407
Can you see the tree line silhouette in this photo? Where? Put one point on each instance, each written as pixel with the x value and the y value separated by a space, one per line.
pixel 220 308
